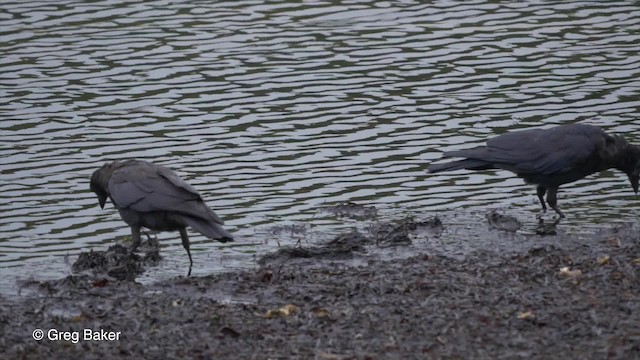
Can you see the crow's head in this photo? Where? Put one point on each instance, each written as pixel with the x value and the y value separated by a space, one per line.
pixel 619 154
pixel 631 165
pixel 100 182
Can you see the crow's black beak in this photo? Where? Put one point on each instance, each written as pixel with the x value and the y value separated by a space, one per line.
pixel 633 178
pixel 103 199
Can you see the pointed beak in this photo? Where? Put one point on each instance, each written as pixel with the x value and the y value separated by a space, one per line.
pixel 633 178
pixel 103 199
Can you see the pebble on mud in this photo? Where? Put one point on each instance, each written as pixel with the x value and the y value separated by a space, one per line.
pixel 565 271
pixel 503 222
pixel 603 260
pixel 286 310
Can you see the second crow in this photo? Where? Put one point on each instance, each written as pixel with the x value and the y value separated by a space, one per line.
pixel 551 157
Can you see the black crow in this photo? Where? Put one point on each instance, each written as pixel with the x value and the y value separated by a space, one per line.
pixel 551 157
pixel 154 197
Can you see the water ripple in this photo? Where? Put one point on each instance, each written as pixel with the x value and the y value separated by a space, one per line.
pixel 273 110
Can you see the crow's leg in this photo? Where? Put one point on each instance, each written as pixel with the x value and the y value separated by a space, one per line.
pixel 135 237
pixel 552 200
pixel 541 190
pixel 185 244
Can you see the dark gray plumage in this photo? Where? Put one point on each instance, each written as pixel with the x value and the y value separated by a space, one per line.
pixel 551 157
pixel 153 196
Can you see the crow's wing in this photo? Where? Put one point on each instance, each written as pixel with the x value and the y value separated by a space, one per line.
pixel 146 187
pixel 541 151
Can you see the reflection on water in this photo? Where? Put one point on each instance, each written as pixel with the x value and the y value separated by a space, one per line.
pixel 274 110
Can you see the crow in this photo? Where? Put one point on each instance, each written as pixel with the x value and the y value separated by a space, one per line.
pixel 551 157
pixel 153 196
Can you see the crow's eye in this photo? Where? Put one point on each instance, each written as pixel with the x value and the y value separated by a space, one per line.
pixel 609 139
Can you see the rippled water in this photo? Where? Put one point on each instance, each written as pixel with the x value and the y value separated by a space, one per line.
pixel 274 110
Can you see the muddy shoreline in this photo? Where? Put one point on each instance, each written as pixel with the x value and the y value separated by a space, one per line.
pixel 570 299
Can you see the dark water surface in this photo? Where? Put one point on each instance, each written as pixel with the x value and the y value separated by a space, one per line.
pixel 273 110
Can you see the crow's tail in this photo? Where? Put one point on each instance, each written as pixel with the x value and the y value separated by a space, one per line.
pixel 469 164
pixel 209 229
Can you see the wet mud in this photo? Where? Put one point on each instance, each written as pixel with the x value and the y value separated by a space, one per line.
pixel 118 262
pixel 552 296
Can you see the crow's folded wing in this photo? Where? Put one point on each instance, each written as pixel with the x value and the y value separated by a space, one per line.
pixel 146 187
pixel 539 151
